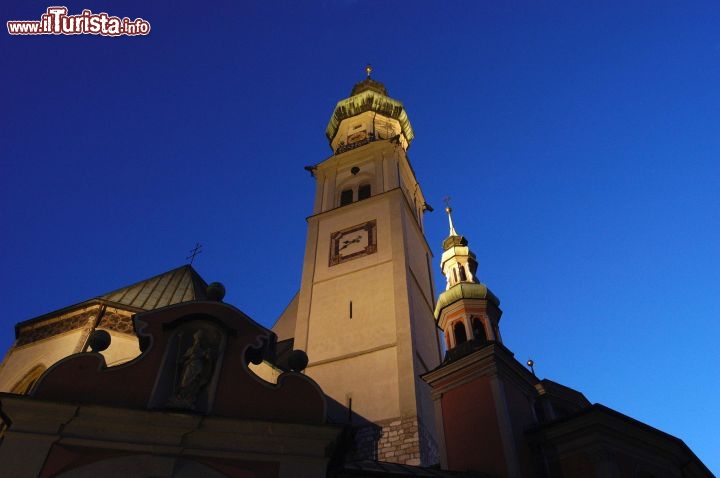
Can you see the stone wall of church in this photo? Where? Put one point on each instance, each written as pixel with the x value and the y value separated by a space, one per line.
pixel 43 342
pixel 395 441
pixel 43 353
pixel 400 442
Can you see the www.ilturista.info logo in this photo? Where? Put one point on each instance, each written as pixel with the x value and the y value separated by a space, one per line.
pixel 57 22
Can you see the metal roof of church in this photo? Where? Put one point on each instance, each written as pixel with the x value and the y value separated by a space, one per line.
pixel 178 285
pixel 182 284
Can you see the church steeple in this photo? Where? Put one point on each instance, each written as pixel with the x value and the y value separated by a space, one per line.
pixel 467 312
pixel 458 263
pixel 369 134
pixel 368 115
pixel 448 210
pixel 364 312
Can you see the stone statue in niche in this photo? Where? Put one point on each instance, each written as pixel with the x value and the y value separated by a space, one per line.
pixel 194 370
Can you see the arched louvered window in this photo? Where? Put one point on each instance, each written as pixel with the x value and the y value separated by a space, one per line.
pixel 478 329
pixel 459 332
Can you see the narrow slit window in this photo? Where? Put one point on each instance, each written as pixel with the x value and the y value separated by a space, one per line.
pixel 460 334
pixel 463 276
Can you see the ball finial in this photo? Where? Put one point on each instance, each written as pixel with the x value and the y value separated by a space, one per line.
pixel 368 70
pixel 99 340
pixel 215 292
pixel 297 360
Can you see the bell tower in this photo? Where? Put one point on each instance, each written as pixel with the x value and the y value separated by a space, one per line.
pixel 483 396
pixel 365 307
pixel 467 311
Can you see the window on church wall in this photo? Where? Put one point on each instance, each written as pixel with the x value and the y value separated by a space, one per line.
pixel 463 276
pixel 346 197
pixel 364 191
pixel 478 329
pixel 455 275
pixel 459 333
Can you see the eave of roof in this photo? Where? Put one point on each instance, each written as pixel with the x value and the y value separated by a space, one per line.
pixel 464 290
pixel 369 100
pixel 182 284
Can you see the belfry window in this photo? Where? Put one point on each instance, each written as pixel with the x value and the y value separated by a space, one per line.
pixel 478 329
pixel 346 197
pixel 463 276
pixel 364 192
pixel 460 334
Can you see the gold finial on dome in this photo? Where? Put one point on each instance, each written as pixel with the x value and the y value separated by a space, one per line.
pixel 369 84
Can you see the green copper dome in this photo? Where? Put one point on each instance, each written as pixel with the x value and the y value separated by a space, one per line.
pixel 369 95
pixel 369 84
pixel 464 290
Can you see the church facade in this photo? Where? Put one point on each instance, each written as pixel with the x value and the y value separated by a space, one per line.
pixel 162 378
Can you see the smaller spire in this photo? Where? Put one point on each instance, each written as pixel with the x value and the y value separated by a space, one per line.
pixel 448 210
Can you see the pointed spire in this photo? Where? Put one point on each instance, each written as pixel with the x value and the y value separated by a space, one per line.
pixel 448 210
pixel 454 239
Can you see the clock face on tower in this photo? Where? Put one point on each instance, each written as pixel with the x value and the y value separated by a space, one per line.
pixel 357 136
pixel 353 242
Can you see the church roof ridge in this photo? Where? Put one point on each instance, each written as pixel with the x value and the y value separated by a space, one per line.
pixel 181 284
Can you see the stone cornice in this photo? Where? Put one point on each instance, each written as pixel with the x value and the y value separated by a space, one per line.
pixel 55 315
pixel 493 360
pixel 143 431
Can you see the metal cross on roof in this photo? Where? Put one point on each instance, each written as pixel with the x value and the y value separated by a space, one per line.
pixel 446 200
pixel 368 69
pixel 194 252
